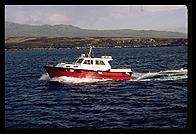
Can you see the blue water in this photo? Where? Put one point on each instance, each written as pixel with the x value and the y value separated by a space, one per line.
pixel 155 98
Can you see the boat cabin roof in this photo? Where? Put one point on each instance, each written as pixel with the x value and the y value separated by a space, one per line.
pixel 103 58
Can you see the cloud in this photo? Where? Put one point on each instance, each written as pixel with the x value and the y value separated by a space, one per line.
pixel 58 19
pixel 157 8
pixel 20 17
pixel 24 17
pixel 101 17
pixel 137 10
pixel 36 17
pixel 52 15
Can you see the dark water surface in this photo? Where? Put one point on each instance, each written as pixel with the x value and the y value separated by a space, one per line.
pixel 155 98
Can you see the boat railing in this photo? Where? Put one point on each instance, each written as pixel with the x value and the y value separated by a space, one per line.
pixel 106 57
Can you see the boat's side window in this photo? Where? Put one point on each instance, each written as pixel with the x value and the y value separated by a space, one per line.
pixel 79 61
pixel 88 62
pixel 85 62
pixel 91 62
pixel 99 62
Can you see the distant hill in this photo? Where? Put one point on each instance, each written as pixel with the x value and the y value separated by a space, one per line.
pixel 15 30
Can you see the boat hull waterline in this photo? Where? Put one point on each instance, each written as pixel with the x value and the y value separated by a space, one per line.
pixel 81 73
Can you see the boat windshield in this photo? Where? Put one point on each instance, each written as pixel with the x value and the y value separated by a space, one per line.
pixel 79 61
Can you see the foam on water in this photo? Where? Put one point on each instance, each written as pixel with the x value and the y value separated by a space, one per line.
pixel 161 75
pixel 45 77
pixel 65 79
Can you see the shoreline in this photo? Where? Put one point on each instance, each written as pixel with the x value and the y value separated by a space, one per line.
pixel 29 49
pixel 46 43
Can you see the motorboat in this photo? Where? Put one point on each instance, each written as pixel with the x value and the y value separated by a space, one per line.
pixel 88 66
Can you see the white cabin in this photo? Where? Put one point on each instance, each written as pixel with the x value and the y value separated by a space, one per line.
pixel 96 64
pixel 88 63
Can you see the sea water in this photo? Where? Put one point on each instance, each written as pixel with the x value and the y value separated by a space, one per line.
pixel 155 98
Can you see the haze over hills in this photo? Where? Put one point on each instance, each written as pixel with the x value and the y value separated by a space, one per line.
pixel 15 30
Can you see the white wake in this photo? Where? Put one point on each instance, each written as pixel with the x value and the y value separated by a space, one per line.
pixel 45 77
pixel 161 75
pixel 65 79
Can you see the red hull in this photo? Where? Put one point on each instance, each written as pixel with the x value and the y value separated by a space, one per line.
pixel 58 72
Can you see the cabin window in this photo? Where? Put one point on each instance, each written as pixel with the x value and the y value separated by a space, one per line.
pixel 90 62
pixel 85 62
pixel 99 62
pixel 79 61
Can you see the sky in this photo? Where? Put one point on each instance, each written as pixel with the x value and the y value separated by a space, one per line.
pixel 102 17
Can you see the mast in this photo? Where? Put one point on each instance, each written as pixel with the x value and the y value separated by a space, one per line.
pixel 90 51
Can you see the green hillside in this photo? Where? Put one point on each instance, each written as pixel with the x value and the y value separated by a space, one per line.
pixel 16 30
